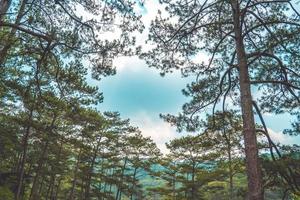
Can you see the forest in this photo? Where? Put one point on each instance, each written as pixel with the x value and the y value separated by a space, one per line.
pixel 55 144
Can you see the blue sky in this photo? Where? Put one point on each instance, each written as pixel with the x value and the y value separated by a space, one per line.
pixel 141 94
pixel 141 89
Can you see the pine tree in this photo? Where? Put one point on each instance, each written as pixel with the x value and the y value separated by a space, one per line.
pixel 241 37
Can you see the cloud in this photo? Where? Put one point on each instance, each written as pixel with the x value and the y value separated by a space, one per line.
pixel 132 64
pixel 279 137
pixel 159 131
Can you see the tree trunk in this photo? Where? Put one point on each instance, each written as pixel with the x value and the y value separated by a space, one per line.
pixel 119 192
pixel 75 176
pixel 193 189
pixel 230 174
pixel 23 157
pixel 229 149
pixel 255 190
pixel 133 184
pixel 4 5
pixel 53 175
pixel 90 173
pixel 174 186
pixel 57 188
pixel 48 191
pixel 41 162
pixel 41 185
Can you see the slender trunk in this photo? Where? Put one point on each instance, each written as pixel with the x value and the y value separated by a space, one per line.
pixel 110 185
pixel 51 186
pixel 23 157
pixel 186 192
pixel 41 185
pixel 48 192
pixel 255 190
pixel 4 4
pixel 174 186
pixel 104 187
pixel 229 149
pixel 230 174
pixel 81 189
pixel 75 176
pixel 53 175
pixel 193 195
pixel 90 173
pixel 118 195
pixel 133 184
pixel 57 188
pixel 16 162
pixel 41 162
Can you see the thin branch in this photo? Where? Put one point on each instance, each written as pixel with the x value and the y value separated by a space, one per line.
pixel 275 82
pixel 215 51
pixel 272 144
pixel 39 35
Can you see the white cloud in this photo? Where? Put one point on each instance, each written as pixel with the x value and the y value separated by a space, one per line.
pixel 134 63
pixel 279 137
pixel 129 63
pixel 159 131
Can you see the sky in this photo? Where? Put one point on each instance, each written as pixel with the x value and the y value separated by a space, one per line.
pixel 141 94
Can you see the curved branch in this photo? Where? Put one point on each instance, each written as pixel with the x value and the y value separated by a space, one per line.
pixel 192 17
pixel 266 2
pixel 215 51
pixel 265 54
pixel 228 71
pixel 272 145
pixel 264 24
pixel 30 32
pixel 275 82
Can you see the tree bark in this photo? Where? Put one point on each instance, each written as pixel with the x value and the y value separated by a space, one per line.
pixel 253 167
pixel 230 174
pixel 75 176
pixel 119 191
pixel 4 5
pixel 90 173
pixel 42 160
pixel 53 193
pixel 174 186
pixel 133 184
pixel 229 154
pixel 193 189
pixel 57 188
pixel 21 165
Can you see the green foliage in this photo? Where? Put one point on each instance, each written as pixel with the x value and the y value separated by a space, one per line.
pixel 6 194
